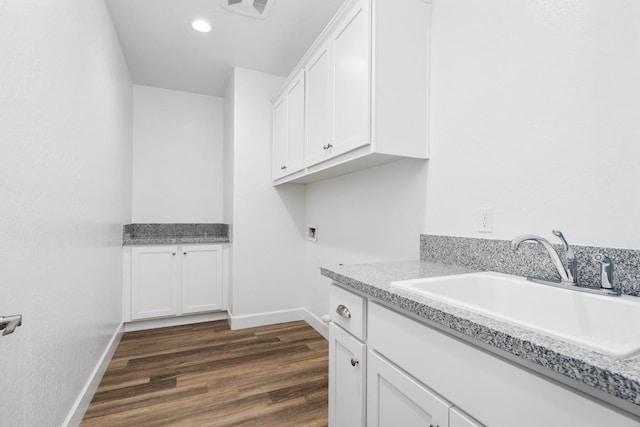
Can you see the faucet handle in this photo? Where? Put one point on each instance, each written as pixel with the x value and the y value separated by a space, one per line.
pixel 606 270
pixel 559 235
pixel 572 263
pixel 8 324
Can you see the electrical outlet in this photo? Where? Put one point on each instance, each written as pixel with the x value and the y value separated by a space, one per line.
pixel 485 220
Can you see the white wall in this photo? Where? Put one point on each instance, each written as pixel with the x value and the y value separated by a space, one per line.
pixel 177 156
pixel 370 216
pixel 228 173
pixel 65 179
pixel 267 244
pixel 228 155
pixel 534 112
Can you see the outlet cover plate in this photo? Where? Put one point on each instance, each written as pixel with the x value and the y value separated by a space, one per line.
pixel 485 220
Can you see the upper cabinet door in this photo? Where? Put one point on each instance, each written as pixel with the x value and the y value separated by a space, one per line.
pixel 295 124
pixel 280 138
pixel 351 44
pixel 319 105
pixel 288 130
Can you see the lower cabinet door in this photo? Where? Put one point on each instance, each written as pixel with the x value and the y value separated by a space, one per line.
pixel 155 281
pixel 347 389
pixel 395 398
pixel 201 278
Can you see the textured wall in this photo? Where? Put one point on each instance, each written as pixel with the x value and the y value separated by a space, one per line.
pixel 534 112
pixel 369 216
pixel 177 156
pixel 266 248
pixel 65 179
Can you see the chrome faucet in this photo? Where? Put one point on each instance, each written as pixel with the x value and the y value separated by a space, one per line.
pixel 568 274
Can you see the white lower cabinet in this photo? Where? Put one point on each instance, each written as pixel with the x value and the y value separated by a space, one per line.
pixel 173 280
pixel 492 390
pixel 395 398
pixel 201 278
pixel 365 388
pixel 155 279
pixel 347 368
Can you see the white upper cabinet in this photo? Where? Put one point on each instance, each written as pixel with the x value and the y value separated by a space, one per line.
pixel 319 105
pixel 288 129
pixel 338 86
pixel 280 138
pixel 366 100
pixel 351 79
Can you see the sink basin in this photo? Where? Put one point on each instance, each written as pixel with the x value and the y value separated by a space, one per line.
pixel 605 324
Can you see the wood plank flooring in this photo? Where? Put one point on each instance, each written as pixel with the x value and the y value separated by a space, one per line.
pixel 207 375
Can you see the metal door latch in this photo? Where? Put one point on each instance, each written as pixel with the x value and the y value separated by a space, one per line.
pixel 8 324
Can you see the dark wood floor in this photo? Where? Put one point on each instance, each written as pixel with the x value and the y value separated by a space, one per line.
pixel 208 375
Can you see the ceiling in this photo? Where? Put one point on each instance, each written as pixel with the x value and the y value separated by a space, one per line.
pixel 163 50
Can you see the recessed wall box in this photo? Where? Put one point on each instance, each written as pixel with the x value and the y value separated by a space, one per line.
pixel 312 233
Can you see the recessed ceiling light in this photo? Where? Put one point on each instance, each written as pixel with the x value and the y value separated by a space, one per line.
pixel 201 25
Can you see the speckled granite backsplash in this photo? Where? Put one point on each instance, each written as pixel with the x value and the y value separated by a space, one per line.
pixel 135 232
pixel 531 259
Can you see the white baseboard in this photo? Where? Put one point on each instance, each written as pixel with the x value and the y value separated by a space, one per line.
pixel 74 418
pixel 141 325
pixel 316 323
pixel 283 316
pixel 268 318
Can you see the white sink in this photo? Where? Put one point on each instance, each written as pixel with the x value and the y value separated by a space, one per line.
pixel 606 324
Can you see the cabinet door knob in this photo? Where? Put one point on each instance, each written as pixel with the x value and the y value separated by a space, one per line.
pixel 184 253
pixel 354 362
pixel 329 145
pixel 173 253
pixel 282 168
pixel 343 311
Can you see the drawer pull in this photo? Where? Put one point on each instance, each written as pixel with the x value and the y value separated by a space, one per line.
pixel 354 362
pixel 343 311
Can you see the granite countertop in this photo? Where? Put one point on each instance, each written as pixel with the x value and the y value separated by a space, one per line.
pixel 619 378
pixel 172 240
pixel 174 234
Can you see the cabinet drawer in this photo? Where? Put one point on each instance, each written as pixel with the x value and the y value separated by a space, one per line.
pixel 347 310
